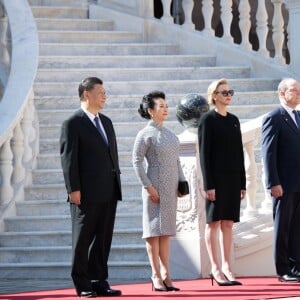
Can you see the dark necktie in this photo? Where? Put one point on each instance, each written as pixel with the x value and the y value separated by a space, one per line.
pixel 97 122
pixel 297 118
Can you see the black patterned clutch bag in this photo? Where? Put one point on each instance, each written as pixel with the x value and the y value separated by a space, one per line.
pixel 183 188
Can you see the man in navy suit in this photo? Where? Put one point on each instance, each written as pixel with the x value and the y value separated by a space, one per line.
pixel 281 157
pixel 89 160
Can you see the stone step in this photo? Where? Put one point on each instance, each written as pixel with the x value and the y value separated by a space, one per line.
pixel 168 86
pixel 59 222
pixel 67 12
pixel 75 3
pixel 39 270
pixel 58 49
pixel 132 101
pixel 74 24
pixel 62 207
pixel 135 252
pixel 48 117
pixel 89 37
pixel 52 160
pixel 142 74
pixel 58 191
pixel 124 61
pixel 122 128
pixel 62 238
pixel 45 176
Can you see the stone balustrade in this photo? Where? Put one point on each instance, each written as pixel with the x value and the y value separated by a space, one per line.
pixel 18 127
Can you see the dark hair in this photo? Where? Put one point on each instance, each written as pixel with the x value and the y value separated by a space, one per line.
pixel 88 84
pixel 148 102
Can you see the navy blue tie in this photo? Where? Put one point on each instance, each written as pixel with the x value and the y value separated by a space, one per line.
pixel 96 119
pixel 297 118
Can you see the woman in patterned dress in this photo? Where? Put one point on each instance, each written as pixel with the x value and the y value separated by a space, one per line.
pixel 158 147
pixel 222 164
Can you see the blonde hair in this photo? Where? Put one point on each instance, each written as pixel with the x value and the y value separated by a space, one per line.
pixel 212 89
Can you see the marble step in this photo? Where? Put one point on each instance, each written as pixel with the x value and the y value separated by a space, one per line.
pixel 90 37
pixel 126 101
pixel 139 270
pixel 67 12
pixel 52 160
pixel 141 73
pixel 60 222
pixel 62 207
pixel 45 176
pixel 127 236
pixel 58 2
pixel 63 254
pixel 123 61
pixel 121 128
pixel 73 24
pixel 58 49
pixel 131 114
pixel 168 86
pixel 58 191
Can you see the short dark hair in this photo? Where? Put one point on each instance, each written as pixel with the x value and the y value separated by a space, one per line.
pixel 88 84
pixel 148 102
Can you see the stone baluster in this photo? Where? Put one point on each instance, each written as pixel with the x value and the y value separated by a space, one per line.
pixel 266 205
pixel 245 23
pixel 207 12
pixel 33 140
pixel 278 33
pixel 262 28
pixel 293 7
pixel 6 170
pixel 26 125
pixel 251 178
pixel 188 6
pixel 17 146
pixel 226 17
pixel 167 11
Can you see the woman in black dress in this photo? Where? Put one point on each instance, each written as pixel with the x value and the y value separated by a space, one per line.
pixel 222 165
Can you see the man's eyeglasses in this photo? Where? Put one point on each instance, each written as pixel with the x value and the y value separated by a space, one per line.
pixel 226 93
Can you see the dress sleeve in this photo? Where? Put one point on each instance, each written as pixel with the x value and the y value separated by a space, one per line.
pixel 140 148
pixel 205 137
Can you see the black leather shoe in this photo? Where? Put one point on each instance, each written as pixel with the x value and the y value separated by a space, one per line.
pixel 288 278
pixel 87 294
pixel 103 289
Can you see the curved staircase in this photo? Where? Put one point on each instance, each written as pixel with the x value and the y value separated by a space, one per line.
pixel 36 242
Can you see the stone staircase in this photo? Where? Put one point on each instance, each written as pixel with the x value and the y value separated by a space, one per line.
pixel 36 242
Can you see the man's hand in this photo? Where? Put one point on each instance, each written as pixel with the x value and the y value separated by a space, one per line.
pixel 276 191
pixel 75 197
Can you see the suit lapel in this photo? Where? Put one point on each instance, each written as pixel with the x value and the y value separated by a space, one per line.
pixel 288 120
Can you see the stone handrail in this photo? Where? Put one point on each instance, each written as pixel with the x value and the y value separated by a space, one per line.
pixel 270 38
pixel 18 134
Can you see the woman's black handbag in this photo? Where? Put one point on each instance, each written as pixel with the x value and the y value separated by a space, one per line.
pixel 183 188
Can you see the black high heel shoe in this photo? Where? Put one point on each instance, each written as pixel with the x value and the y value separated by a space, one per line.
pixel 171 288
pixel 162 289
pixel 221 283
pixel 233 282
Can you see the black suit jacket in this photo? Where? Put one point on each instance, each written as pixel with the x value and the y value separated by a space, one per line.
pixel 281 151
pixel 88 164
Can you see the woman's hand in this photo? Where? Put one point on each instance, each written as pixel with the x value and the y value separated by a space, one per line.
pixel 211 195
pixel 153 194
pixel 243 194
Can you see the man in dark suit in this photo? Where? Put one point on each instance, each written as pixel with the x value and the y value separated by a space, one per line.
pixel 89 160
pixel 281 157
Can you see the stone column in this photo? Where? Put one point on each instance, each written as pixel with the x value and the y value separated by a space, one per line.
pixel 189 258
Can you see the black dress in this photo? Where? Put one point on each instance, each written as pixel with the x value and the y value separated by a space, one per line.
pixel 222 164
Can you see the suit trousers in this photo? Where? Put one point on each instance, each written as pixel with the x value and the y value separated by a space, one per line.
pixel 92 231
pixel 286 215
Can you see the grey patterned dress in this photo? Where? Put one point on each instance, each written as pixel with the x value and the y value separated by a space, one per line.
pixel 156 161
